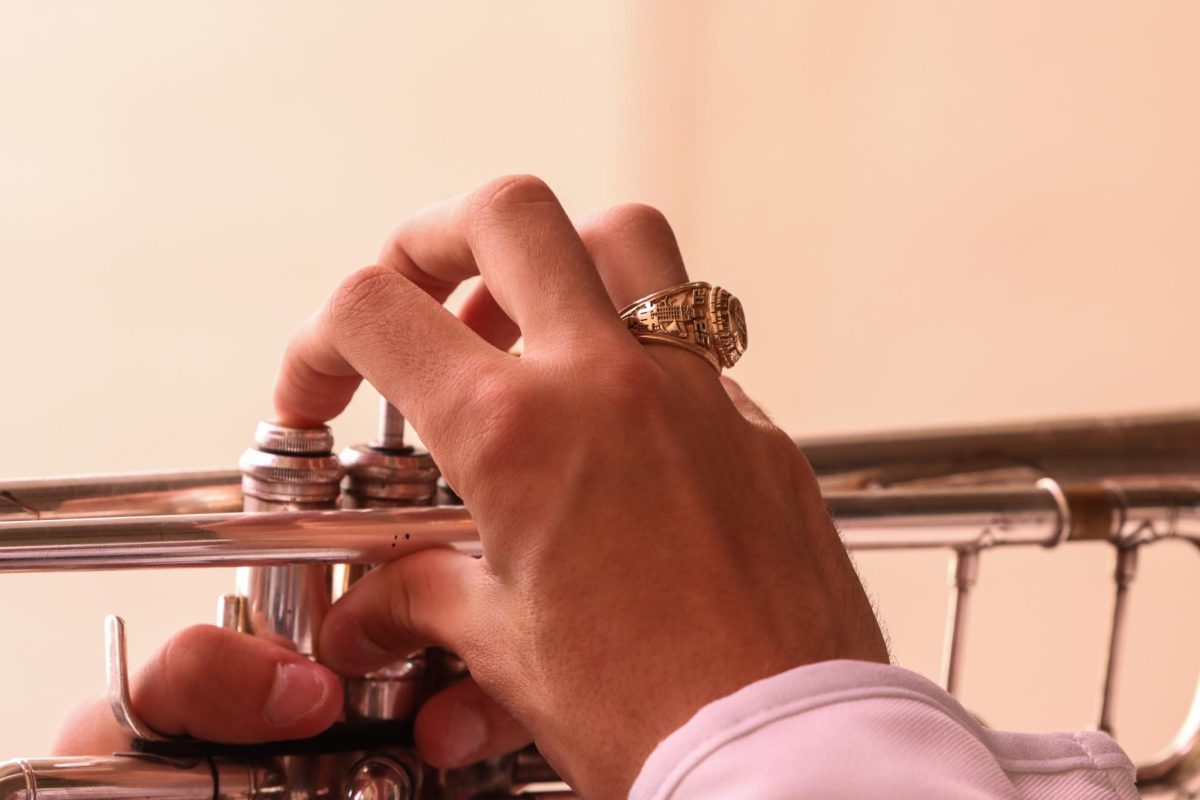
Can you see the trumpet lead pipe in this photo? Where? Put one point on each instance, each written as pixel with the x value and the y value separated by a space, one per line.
pixel 869 520
pixel 123 495
pixel 237 539
pixel 1067 450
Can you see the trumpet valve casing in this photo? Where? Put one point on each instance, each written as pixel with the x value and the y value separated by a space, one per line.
pixel 378 477
pixel 386 473
pixel 288 469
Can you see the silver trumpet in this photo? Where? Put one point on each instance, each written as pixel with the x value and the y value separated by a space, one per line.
pixel 302 524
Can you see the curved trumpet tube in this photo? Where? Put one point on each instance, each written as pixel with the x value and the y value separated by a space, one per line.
pixel 1047 514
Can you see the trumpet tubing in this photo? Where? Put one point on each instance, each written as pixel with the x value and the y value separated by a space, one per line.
pixel 302 524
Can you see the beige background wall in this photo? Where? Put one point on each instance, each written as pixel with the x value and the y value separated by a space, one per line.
pixel 934 212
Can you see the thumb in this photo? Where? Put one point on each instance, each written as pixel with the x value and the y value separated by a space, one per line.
pixel 420 600
pixel 215 684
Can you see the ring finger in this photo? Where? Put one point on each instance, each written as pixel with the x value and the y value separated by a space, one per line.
pixel 635 252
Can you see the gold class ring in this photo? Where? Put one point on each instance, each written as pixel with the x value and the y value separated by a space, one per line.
pixel 698 317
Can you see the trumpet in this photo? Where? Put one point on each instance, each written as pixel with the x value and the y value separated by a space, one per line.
pixel 302 524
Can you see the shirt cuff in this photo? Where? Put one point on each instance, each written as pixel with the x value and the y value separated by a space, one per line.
pixel 758 727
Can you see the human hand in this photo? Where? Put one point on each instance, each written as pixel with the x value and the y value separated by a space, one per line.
pixel 652 542
pixel 215 684
pixel 218 685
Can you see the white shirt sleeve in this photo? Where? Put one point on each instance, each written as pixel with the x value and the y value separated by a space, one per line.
pixel 845 730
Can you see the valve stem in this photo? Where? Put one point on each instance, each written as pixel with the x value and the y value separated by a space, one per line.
pixel 391 427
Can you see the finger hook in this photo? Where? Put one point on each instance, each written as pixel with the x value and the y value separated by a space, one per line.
pixel 116 673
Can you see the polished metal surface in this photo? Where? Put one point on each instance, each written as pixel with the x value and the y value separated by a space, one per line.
pixel 386 474
pixel 231 612
pixel 287 603
pixel 1068 450
pixel 123 778
pixel 379 777
pixel 295 482
pixel 368 536
pixel 1072 450
pixel 1123 575
pixel 869 520
pixel 390 434
pixel 379 478
pixel 1129 482
pixel 290 469
pixel 135 494
pixel 964 572
pixel 285 440
pixel 116 673
pixel 698 317
pixel 389 693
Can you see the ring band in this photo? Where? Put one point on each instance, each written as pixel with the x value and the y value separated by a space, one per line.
pixel 703 319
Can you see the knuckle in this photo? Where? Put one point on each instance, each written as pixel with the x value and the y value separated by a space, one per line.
pixel 491 392
pixel 358 294
pixel 411 595
pixel 732 387
pixel 782 449
pixel 506 414
pixel 637 221
pixel 363 299
pixel 189 655
pixel 630 386
pixel 505 196
pixel 782 443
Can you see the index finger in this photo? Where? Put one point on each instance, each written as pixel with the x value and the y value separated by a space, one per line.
pixel 385 323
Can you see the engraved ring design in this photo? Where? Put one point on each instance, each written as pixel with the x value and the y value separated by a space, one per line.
pixel 703 319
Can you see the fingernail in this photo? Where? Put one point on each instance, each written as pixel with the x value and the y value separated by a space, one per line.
pixel 347 648
pixel 298 690
pixel 466 734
